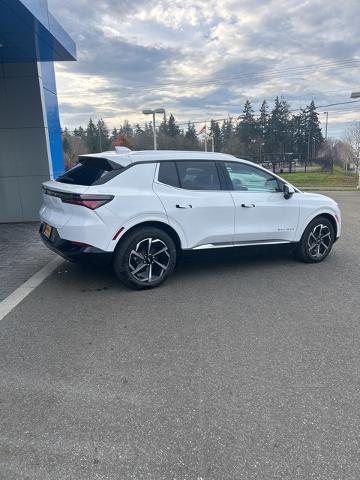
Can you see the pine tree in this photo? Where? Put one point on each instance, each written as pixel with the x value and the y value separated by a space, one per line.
pixel 114 133
pixel 163 128
pixel 263 122
pixel 79 132
pixel 138 130
pixel 279 127
pixel 247 128
pixel 66 141
pixel 313 131
pixel 227 131
pixel 299 135
pixel 91 137
pixel 190 139
pixel 127 129
pixel 172 128
pixel 216 133
pixel 104 141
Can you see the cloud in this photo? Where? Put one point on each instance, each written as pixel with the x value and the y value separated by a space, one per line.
pixel 143 54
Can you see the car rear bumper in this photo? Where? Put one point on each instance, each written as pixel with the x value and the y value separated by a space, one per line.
pixel 71 250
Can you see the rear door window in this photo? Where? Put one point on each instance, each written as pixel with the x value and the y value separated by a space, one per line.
pixel 198 175
pixel 91 171
pixel 168 174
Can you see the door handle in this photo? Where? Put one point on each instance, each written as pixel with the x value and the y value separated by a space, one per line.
pixel 183 206
pixel 247 205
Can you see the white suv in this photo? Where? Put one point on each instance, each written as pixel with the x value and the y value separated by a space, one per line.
pixel 144 208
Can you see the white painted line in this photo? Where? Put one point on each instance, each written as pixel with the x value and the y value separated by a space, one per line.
pixel 10 302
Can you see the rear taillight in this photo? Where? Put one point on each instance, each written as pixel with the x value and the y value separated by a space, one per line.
pixel 89 201
pixel 86 200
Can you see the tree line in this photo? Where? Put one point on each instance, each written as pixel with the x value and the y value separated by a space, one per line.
pixel 272 133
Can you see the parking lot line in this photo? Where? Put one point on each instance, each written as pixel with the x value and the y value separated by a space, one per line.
pixel 10 302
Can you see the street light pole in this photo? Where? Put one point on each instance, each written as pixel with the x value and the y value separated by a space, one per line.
pixel 153 113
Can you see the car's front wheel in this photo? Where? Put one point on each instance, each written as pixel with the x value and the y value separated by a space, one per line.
pixel 317 241
pixel 145 258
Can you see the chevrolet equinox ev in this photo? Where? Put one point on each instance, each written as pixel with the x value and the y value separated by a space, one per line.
pixel 143 208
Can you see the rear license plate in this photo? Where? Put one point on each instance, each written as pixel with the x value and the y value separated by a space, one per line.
pixel 47 231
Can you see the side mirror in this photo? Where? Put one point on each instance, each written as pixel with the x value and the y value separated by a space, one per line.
pixel 288 191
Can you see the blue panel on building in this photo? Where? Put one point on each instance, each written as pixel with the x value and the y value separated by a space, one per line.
pixel 28 33
pixel 31 40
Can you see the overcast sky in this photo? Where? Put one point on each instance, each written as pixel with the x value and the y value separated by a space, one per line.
pixel 201 59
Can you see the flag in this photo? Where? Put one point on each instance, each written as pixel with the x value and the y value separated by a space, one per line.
pixel 203 130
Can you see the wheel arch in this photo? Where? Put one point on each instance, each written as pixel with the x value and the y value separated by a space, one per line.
pixel 157 224
pixel 329 216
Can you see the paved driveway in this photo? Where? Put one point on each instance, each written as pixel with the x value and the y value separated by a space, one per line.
pixel 240 367
pixel 21 255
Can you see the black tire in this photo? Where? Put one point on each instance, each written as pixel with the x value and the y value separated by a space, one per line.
pixel 317 241
pixel 145 249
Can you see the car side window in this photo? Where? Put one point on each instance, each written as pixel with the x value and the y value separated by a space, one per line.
pixel 198 175
pixel 247 178
pixel 168 174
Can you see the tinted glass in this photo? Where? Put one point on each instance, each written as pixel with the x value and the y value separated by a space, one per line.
pixel 197 175
pixel 168 174
pixel 90 171
pixel 247 178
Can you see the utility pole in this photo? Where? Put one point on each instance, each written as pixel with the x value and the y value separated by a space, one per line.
pixel 326 124
pixel 308 150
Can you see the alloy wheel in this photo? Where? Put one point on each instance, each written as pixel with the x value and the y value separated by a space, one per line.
pixel 149 260
pixel 319 241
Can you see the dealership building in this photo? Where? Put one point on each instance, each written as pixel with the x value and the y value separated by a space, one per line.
pixel 31 40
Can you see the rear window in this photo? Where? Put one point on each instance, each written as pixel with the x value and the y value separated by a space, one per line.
pixel 91 171
pixel 168 174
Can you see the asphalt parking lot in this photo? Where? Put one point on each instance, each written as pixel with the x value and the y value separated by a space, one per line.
pixel 244 365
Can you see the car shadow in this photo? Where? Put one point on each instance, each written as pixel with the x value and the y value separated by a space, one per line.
pixel 95 276
pixel 232 258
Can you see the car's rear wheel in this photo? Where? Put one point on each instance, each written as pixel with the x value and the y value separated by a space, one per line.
pixel 317 241
pixel 145 258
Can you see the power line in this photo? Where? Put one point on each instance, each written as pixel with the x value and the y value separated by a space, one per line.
pixel 257 115
pixel 284 72
pixel 270 73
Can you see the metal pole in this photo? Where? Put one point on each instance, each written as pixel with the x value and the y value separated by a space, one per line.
pixel 154 129
pixel 326 125
pixel 308 150
pixel 205 138
pixel 212 142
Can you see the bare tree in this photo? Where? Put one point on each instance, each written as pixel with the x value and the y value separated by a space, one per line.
pixel 352 137
pixel 73 147
pixel 344 154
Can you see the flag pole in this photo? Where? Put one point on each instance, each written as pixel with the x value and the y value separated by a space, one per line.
pixel 205 137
